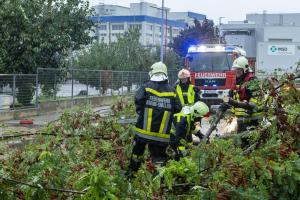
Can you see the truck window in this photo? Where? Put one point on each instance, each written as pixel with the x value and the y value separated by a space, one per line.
pixel 210 61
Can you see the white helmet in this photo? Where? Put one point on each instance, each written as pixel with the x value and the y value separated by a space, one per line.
pixel 199 109
pixel 184 74
pixel 241 62
pixel 158 67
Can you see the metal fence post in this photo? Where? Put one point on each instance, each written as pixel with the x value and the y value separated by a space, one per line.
pixel 122 82
pixel 14 90
pixel 72 80
pixel 140 79
pixel 55 86
pixel 87 83
pixel 100 83
pixel 36 90
pixel 112 82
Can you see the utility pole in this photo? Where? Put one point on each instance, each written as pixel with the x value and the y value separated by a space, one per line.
pixel 162 32
pixel 166 34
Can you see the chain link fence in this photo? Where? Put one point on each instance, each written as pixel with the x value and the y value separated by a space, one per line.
pixel 24 91
pixel 75 83
pixel 27 90
pixel 18 91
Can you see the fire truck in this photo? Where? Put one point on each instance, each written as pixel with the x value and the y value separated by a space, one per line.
pixel 210 67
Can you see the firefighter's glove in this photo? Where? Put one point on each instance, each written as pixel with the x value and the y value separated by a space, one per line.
pixel 199 134
pixel 223 107
pixel 226 99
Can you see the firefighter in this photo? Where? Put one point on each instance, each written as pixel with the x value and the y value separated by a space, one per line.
pixel 188 94
pixel 245 104
pixel 187 123
pixel 156 101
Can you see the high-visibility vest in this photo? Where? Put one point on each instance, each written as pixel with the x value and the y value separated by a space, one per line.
pixel 157 117
pixel 247 115
pixel 189 94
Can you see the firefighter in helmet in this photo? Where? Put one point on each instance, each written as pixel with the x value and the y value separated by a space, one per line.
pixel 156 101
pixel 188 94
pixel 246 104
pixel 187 123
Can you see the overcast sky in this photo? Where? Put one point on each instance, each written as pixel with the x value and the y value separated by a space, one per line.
pixel 230 9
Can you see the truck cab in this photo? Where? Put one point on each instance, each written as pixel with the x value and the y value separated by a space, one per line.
pixel 210 67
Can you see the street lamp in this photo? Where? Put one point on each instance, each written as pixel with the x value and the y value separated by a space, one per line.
pixel 162 31
pixel 162 45
pixel 220 22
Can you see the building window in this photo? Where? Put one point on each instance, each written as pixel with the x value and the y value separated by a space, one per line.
pixel 102 27
pixel 117 27
pixel 175 31
pixel 150 27
pixel 135 26
pixel 103 34
pixel 116 34
pixel 280 40
pixel 237 33
pixel 148 34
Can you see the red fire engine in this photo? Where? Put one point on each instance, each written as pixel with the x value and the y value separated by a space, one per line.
pixel 210 67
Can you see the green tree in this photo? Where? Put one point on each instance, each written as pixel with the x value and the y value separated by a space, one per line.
pixel 38 33
pixel 127 54
pixel 199 33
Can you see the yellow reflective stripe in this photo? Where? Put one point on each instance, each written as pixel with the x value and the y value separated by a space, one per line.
pixel 181 148
pixel 236 95
pixel 163 122
pixel 258 114
pixel 180 94
pixel 240 112
pixel 149 119
pixel 161 94
pixel 191 94
pixel 252 100
pixel 153 134
pixel 178 118
pixel 240 109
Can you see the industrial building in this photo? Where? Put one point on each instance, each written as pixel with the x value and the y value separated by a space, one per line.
pixel 272 40
pixel 115 20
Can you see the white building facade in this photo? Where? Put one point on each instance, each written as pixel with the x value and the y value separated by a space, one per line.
pixel 273 40
pixel 115 20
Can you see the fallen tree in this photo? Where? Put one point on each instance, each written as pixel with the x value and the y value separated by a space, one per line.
pixel 58 166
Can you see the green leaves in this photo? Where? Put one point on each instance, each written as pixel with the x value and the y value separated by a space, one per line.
pixel 127 54
pixel 98 184
pixel 200 33
pixel 217 170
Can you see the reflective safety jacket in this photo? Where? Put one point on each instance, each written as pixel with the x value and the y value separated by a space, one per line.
pixel 187 93
pixel 241 93
pixel 184 127
pixel 156 102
